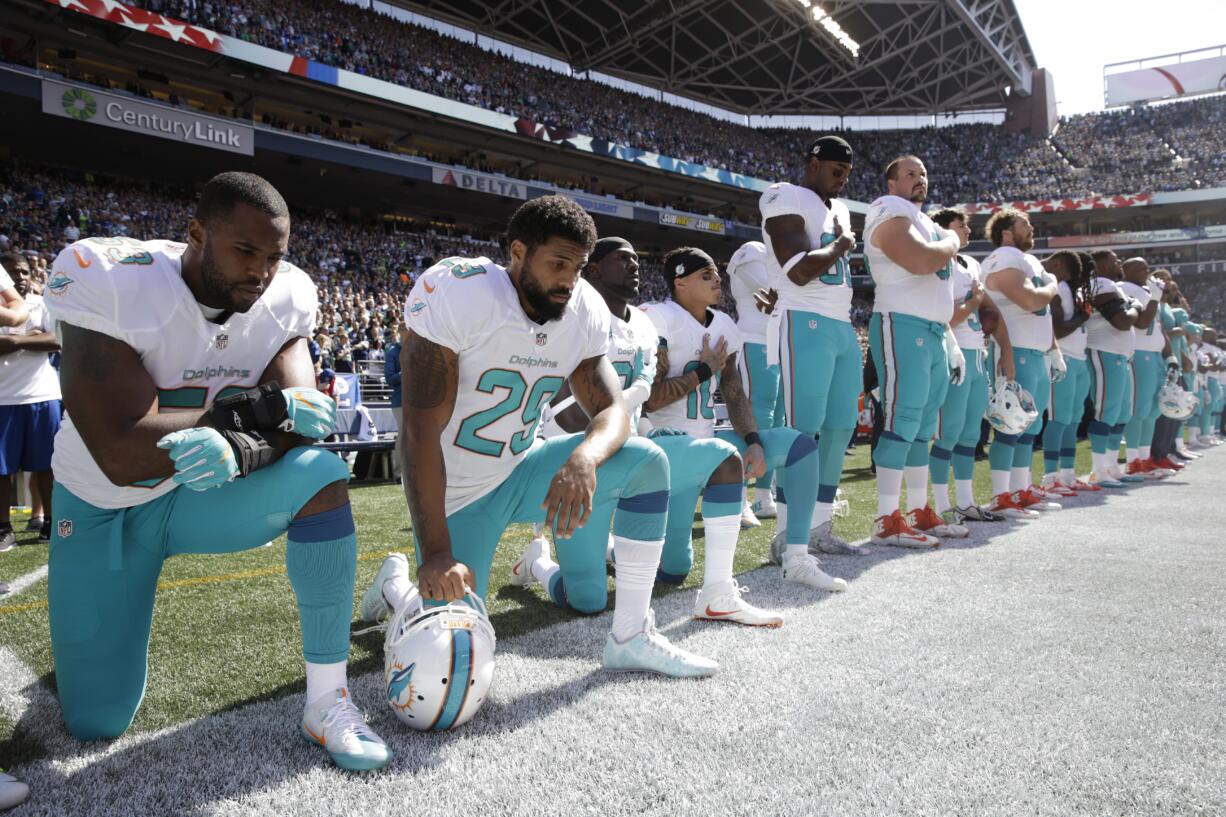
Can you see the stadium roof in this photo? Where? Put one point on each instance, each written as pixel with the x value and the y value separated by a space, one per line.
pixel 772 56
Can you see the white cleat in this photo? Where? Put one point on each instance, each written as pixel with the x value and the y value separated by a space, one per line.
pixel 649 651
pixel 374 606
pixel 726 602
pixel 748 519
pixel 521 571
pixel 823 539
pixel 805 569
pixel 764 506
pixel 333 722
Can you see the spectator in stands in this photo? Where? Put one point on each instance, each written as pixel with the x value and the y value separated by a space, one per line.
pixel 391 373
pixel 29 400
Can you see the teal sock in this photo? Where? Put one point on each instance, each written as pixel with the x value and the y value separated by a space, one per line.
pixel 321 560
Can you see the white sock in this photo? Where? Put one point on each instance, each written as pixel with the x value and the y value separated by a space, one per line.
pixel 324 678
pixel 538 529
pixel 795 552
pixel 396 590
pixel 889 487
pixel 965 489
pixel 1193 434
pixel 1019 478
pixel 917 486
pixel 1143 450
pixel 823 512
pixel 1130 454
pixel 1068 476
pixel 635 570
pixel 1000 482
pixel 542 569
pixel 721 533
pixel 940 497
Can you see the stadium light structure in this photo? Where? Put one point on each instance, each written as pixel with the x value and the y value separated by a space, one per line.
pixel 823 18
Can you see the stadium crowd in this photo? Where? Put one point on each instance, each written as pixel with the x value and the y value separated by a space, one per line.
pixel 1090 154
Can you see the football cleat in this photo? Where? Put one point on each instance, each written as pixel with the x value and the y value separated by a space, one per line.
pixel 1007 506
pixel 438 663
pixel 893 530
pixel 1168 464
pixel 1054 487
pixel 805 569
pixel 374 606
pixel 976 513
pixel 748 520
pixel 333 722
pixel 764 506
pixel 649 651
pixel 1116 474
pixel 823 539
pixel 8 540
pixel 35 524
pixel 1082 486
pixel 945 526
pixel 726 602
pixel 521 571
pixel 1035 498
pixel 1104 481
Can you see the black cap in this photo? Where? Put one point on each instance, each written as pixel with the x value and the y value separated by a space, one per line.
pixel 609 244
pixel 685 262
pixel 831 149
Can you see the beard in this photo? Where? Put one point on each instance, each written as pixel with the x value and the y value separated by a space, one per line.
pixel 540 299
pixel 218 293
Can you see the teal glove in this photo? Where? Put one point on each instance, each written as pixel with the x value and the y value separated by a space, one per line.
pixel 311 412
pixel 203 459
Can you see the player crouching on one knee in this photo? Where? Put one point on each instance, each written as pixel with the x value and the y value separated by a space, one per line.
pixel 191 409
pixel 487 348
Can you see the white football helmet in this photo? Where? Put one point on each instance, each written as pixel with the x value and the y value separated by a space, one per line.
pixel 1011 408
pixel 438 663
pixel 1176 403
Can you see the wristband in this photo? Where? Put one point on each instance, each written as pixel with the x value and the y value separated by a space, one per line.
pixel 753 438
pixel 261 408
pixel 704 372
pixel 251 451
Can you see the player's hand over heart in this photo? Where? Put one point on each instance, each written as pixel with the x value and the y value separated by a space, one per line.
pixel 569 501
pixel 714 357
pixel 442 578
pixel 765 300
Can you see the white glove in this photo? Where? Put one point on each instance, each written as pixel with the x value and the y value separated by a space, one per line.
pixel 1155 287
pixel 1059 368
pixel 957 365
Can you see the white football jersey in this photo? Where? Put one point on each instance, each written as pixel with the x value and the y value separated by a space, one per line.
pixel 1151 338
pixel 1074 343
pixel 925 296
pixel 1100 333
pixel 27 376
pixel 6 283
pixel 681 336
pixel 1027 330
pixel 747 272
pixel 632 351
pixel 830 294
pixel 510 366
pixel 969 333
pixel 134 292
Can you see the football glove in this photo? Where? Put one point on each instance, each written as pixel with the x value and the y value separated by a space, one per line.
pixel 957 366
pixel 304 411
pixel 1059 369
pixel 202 456
pixel 1155 287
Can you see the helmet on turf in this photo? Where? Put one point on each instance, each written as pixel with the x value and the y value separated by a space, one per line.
pixel 438 663
pixel 1011 409
pixel 1176 403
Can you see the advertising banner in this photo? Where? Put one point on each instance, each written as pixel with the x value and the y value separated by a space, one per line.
pixel 1167 81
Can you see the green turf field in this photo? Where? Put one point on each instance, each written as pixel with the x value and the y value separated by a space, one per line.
pixel 225 629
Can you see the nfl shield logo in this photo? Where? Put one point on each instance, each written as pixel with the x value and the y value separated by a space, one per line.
pixel 541 338
pixel 65 527
pixel 221 341
pixel 812 324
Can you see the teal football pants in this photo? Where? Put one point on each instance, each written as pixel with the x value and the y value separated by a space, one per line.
pixel 958 422
pixel 913 371
pixel 761 384
pixel 1068 400
pixel 633 482
pixel 104 566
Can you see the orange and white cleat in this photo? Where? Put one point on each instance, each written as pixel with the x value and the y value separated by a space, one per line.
pixel 893 530
pixel 1006 505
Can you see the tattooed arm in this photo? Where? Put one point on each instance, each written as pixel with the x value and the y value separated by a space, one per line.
pixel 668 390
pixel 113 402
pixel 569 501
pixel 429 378
pixel 740 411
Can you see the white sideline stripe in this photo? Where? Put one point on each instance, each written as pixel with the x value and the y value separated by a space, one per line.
pixel 22 582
